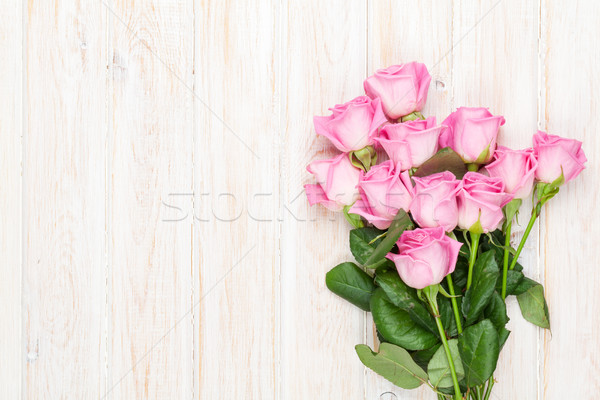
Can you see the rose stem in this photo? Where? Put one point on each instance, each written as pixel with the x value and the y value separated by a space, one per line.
pixel 472 256
pixel 438 321
pixel 454 303
pixel 488 391
pixel 534 214
pixel 505 265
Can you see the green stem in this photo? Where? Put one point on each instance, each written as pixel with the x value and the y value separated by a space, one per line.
pixel 438 321
pixel 506 252
pixel 454 303
pixel 534 214
pixel 472 167
pixel 472 256
pixel 488 391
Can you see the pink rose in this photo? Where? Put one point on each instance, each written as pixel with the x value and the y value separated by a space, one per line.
pixel 411 143
pixel 472 133
pixel 336 182
pixel 557 155
pixel 383 191
pixel 352 125
pixel 401 88
pixel 426 256
pixel 481 198
pixel 516 168
pixel 434 203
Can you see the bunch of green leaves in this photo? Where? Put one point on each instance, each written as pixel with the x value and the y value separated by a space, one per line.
pixel 410 353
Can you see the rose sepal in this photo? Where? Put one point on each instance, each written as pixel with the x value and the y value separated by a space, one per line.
pixel 354 219
pixel 511 209
pixel 411 117
pixel 363 158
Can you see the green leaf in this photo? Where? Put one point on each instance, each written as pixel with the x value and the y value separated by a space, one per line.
pixel 394 364
pixel 479 348
pixel 445 159
pixel 385 267
pixel 439 368
pixel 360 243
pixel 485 274
pixel 513 279
pixel 400 223
pixel 503 335
pixel 496 312
pixel 396 326
pixel 524 286
pixel 422 357
pixel 459 276
pixel 533 306
pixel 350 282
pixel 406 299
pixel 447 315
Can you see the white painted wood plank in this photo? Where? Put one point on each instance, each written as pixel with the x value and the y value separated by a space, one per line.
pixel 324 65
pixel 394 38
pixel 236 185
pixel 64 200
pixel 151 116
pixel 495 66
pixel 11 131
pixel 570 228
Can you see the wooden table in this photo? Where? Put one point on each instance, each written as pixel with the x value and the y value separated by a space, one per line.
pixel 155 237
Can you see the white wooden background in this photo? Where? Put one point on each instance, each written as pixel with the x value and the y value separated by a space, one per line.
pixel 154 234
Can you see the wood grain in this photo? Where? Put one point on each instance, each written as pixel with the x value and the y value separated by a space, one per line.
pixel 392 41
pixel 569 250
pixel 64 263
pixel 11 131
pixel 236 187
pixel 156 238
pixel 151 136
pixel 324 65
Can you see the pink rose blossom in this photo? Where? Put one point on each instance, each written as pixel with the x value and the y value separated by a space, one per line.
pixel 481 198
pixel 336 182
pixel 557 155
pixel 426 256
pixel 472 133
pixel 383 191
pixel 352 125
pixel 434 203
pixel 516 168
pixel 401 88
pixel 411 143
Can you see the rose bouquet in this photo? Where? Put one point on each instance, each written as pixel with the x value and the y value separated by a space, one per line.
pixel 432 226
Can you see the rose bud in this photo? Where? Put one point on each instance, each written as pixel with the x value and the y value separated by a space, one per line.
pixel 426 256
pixel 336 183
pixel 383 191
pixel 516 168
pixel 480 201
pixel 401 88
pixel 472 133
pixel 352 125
pixel 556 156
pixel 411 143
pixel 434 203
